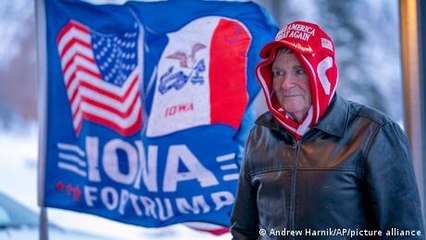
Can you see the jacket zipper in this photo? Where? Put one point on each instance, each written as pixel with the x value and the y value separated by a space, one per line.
pixel 293 186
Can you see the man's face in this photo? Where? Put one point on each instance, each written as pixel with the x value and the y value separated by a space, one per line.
pixel 291 85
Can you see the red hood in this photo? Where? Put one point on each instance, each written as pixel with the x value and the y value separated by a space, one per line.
pixel 315 50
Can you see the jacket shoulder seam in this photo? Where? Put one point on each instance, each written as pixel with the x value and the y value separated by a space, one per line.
pixel 380 118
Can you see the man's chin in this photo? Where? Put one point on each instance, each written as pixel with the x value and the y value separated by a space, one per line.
pixel 296 105
pixel 294 109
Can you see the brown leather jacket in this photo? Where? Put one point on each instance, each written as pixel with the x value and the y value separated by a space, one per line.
pixel 351 172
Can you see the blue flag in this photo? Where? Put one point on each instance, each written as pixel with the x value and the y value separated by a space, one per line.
pixel 149 104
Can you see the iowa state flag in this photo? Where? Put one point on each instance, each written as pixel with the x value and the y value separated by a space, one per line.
pixel 148 107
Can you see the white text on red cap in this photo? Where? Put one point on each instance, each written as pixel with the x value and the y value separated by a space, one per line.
pixel 296 30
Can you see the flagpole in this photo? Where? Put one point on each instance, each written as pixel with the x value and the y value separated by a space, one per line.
pixel 42 113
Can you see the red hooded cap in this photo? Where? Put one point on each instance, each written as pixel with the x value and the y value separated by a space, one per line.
pixel 315 50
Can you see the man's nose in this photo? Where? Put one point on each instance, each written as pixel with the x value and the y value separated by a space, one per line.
pixel 287 82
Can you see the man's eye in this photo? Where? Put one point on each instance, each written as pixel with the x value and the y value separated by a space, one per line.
pixel 300 71
pixel 278 73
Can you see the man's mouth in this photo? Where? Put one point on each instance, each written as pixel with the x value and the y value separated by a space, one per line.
pixel 293 95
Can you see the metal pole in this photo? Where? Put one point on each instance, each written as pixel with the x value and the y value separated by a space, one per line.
pixel 413 102
pixel 42 113
pixel 43 225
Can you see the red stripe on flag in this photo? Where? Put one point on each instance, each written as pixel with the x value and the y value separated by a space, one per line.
pixel 72 24
pixel 83 69
pixel 91 60
pixel 78 128
pixel 217 232
pixel 106 122
pixel 109 94
pixel 228 70
pixel 122 112
pixel 77 109
pixel 72 43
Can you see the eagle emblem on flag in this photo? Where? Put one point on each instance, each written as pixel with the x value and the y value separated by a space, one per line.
pixel 102 74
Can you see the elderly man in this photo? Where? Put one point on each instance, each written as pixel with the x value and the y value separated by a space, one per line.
pixel 318 165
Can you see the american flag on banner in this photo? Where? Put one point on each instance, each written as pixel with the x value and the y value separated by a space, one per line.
pixel 102 77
